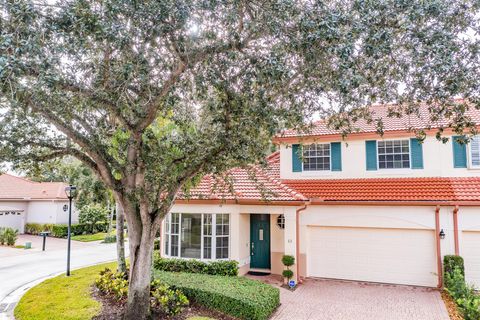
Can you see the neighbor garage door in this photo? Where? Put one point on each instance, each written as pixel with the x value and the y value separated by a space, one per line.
pixel 400 256
pixel 471 253
pixel 12 219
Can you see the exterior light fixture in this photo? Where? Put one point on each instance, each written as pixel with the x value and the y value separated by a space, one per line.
pixel 442 234
pixel 70 191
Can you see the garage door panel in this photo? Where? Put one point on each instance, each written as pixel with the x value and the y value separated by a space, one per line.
pixel 369 254
pixel 471 254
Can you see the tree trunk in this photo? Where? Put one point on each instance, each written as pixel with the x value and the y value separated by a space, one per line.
pixel 141 250
pixel 122 266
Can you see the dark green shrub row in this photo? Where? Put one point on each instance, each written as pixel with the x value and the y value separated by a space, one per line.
pixel 163 298
pixel 36 228
pixel 237 296
pixel 221 268
pixel 61 230
pixel 463 294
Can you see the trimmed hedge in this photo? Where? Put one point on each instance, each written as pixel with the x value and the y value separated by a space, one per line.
pixel 36 228
pixel 450 262
pixel 220 268
pixel 237 296
pixel 61 230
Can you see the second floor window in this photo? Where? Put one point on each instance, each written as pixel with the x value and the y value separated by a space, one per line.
pixel 393 154
pixel 316 157
pixel 475 152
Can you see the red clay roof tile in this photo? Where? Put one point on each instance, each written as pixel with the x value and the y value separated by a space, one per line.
pixel 12 187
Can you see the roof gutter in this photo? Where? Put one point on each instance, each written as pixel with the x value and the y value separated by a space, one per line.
pixel 455 230
pixel 393 203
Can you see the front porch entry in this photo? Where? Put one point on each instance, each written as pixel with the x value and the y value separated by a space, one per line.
pixel 260 241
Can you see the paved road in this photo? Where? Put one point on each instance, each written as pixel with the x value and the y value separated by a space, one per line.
pixel 19 267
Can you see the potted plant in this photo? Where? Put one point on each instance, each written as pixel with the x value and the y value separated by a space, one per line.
pixel 287 274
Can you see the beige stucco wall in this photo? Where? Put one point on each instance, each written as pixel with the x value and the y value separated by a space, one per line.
pixel 437 161
pixel 49 211
pixel 240 229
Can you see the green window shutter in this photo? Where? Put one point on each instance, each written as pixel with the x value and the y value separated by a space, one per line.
pixel 296 158
pixel 336 156
pixel 459 152
pixel 371 153
pixel 416 154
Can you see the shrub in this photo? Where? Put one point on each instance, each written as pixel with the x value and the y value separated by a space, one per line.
pixel 287 273
pixel 163 298
pixel 450 262
pixel 167 300
pixel 110 238
pixel 2 236
pixel 93 217
pixel 36 228
pixel 60 230
pixel 288 260
pixel 10 236
pixel 222 268
pixel 237 296
pixel 113 283
pixel 464 295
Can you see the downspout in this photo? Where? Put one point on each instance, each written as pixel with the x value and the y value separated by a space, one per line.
pixel 439 253
pixel 455 230
pixel 297 239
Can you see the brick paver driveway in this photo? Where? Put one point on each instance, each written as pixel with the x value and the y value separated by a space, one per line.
pixel 345 300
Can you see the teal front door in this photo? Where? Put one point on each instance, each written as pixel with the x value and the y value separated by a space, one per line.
pixel 260 241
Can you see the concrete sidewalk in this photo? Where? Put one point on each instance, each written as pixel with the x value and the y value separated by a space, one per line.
pixel 19 267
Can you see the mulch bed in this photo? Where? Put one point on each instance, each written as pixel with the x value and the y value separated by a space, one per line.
pixel 452 308
pixel 114 310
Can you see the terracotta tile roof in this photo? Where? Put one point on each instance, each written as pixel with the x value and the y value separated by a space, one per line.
pixel 12 187
pixel 406 122
pixel 390 189
pixel 254 183
pixel 372 189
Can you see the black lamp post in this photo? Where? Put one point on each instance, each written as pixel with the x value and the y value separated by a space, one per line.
pixel 70 191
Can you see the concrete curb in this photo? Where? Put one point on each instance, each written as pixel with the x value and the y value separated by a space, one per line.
pixel 8 304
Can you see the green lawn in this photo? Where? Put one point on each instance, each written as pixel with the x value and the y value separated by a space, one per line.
pixel 92 237
pixel 62 298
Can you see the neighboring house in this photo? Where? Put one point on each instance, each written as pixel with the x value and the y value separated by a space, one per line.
pixel 365 208
pixel 23 201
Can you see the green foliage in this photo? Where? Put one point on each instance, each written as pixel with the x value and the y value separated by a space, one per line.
pixel 287 273
pixel 464 295
pixel 288 260
pixel 450 262
pixel 163 298
pixel 36 228
pixel 167 300
pixel 221 267
pixel 61 230
pixel 91 216
pixel 112 283
pixel 8 236
pixel 110 238
pixel 237 296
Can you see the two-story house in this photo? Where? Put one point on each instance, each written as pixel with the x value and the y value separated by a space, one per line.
pixel 367 207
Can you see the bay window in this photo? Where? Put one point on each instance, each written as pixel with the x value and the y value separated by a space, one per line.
pixel 197 235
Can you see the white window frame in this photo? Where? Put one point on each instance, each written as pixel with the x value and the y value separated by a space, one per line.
pixel 395 169
pixel 213 236
pixel 329 156
pixel 470 158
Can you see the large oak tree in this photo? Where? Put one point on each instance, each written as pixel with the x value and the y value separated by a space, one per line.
pixel 152 95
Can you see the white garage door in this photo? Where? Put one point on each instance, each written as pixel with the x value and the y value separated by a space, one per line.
pixel 470 251
pixel 400 256
pixel 12 219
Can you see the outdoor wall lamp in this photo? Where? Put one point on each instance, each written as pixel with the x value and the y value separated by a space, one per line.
pixel 442 234
pixel 70 191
